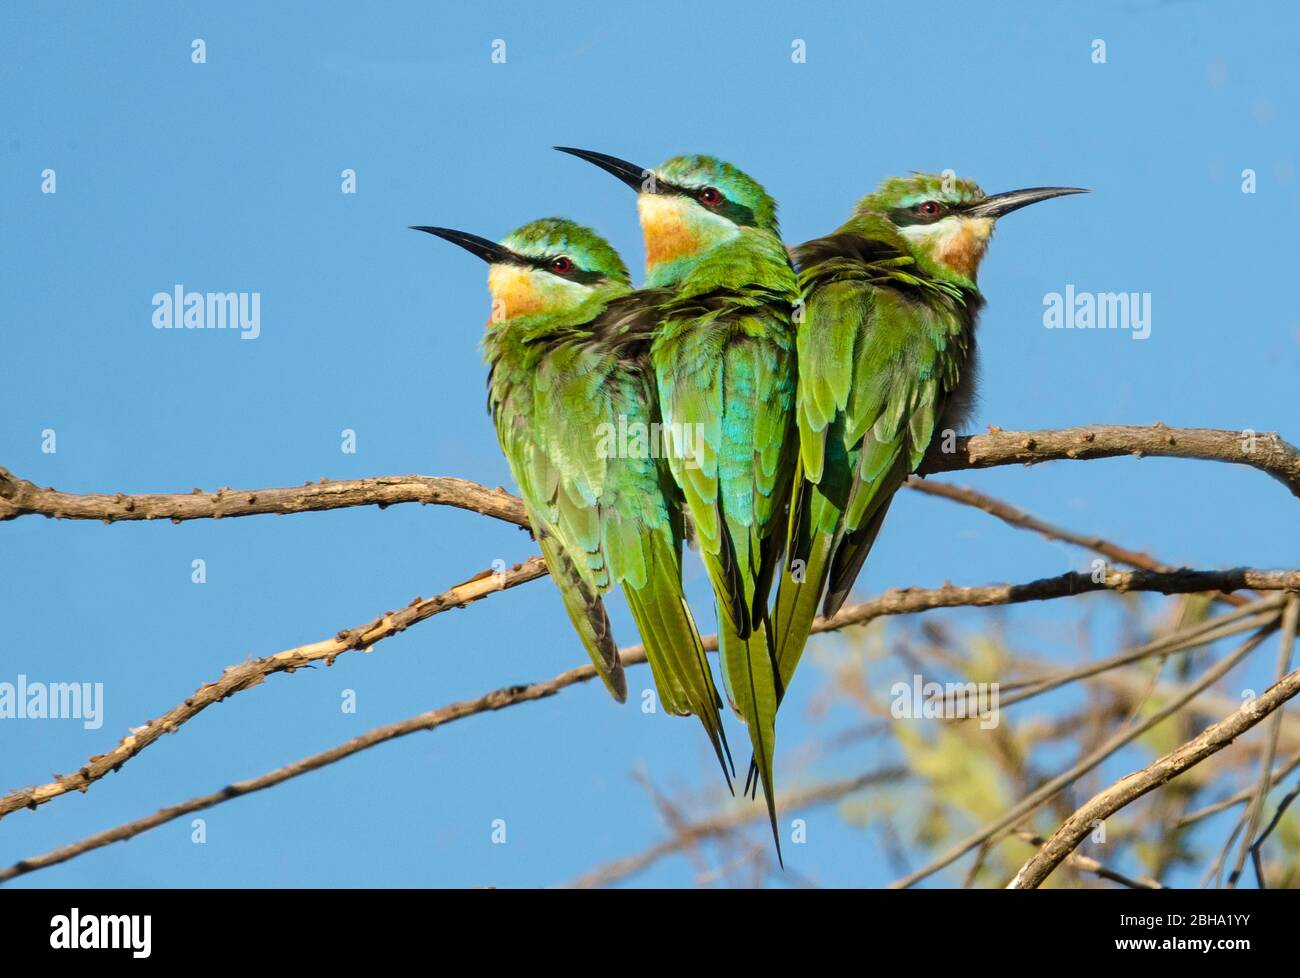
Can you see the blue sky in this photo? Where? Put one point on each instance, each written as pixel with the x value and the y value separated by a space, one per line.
pixel 226 176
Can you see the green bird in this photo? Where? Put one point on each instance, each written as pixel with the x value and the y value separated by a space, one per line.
pixel 723 350
pixel 886 348
pixel 569 378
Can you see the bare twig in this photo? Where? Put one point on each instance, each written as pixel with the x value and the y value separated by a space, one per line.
pixel 1215 872
pixel 1289 619
pixel 1119 739
pixel 1133 786
pixel 495 700
pixel 721 825
pixel 894 602
pixel 18 497
pixel 1266 452
pixel 911 600
pixel 1246 618
pixel 250 673
pixel 1255 857
pixel 1089 865
pixel 1245 794
pixel 1014 516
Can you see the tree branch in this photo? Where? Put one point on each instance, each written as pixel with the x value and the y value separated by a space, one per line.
pixel 250 673
pixel 1133 786
pixel 1050 789
pixel 496 700
pixel 1014 516
pixel 1245 794
pixel 18 497
pixel 727 822
pixel 1255 856
pixel 1089 865
pixel 1268 453
pixel 1290 618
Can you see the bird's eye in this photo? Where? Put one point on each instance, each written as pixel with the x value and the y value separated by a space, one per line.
pixel 561 265
pixel 710 196
pixel 930 208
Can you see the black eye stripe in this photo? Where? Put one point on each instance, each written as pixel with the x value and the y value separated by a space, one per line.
pixel 736 213
pixel 906 216
pixel 576 274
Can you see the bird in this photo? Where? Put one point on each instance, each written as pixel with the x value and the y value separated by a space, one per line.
pixel 723 289
pixel 886 356
pixel 568 371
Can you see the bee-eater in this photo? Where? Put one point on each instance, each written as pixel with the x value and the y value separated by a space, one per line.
pixel 723 352
pixel 566 373
pixel 886 348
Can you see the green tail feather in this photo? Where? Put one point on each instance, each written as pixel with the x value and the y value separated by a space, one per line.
pixel 813 540
pixel 797 600
pixel 792 618
pixel 750 672
pixel 675 651
pixel 852 547
pixel 673 696
pixel 587 612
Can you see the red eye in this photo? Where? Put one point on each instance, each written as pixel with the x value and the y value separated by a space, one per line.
pixel 710 196
pixel 561 265
pixel 931 208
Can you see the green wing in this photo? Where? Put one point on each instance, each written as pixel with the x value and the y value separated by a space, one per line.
pixel 727 395
pixel 880 349
pixel 895 396
pixel 511 400
pixel 591 472
pixel 585 609
pixel 726 387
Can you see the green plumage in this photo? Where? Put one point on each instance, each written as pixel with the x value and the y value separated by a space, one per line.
pixel 778 412
pixel 883 346
pixel 723 355
pixel 886 356
pixel 564 383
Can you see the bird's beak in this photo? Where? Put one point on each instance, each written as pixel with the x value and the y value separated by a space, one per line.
pixel 1002 204
pixel 489 251
pixel 636 177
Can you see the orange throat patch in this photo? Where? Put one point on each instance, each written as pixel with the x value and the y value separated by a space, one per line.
pixel 668 235
pixel 963 247
pixel 514 292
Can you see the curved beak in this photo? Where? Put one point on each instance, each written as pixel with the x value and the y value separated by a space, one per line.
pixel 634 176
pixel 1001 204
pixel 489 251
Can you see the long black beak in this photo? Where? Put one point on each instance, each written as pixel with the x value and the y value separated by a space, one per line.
pixel 634 176
pixel 1002 204
pixel 489 251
